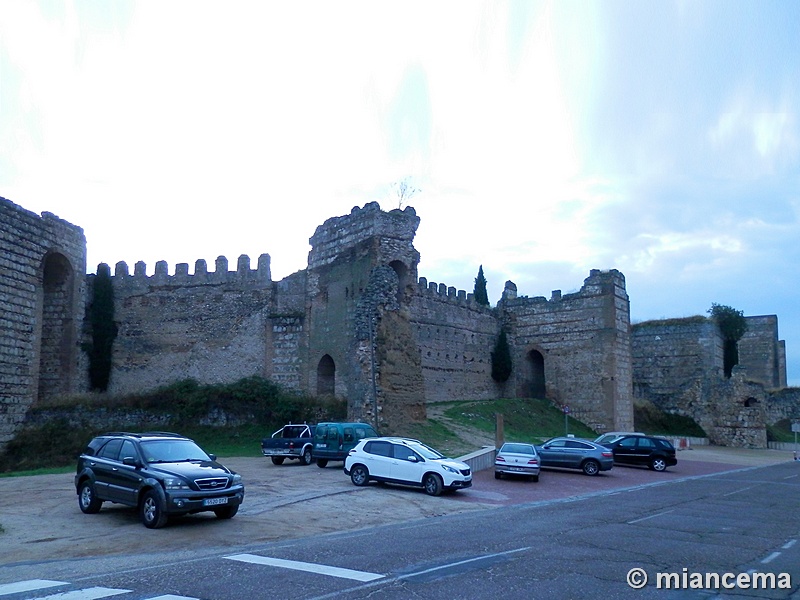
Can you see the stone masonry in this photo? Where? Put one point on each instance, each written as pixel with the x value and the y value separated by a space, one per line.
pixel 357 323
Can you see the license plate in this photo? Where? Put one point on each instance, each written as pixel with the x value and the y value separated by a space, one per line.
pixel 215 501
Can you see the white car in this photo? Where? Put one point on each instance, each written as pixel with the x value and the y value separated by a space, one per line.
pixel 408 462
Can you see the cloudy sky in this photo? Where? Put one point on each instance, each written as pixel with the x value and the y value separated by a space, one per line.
pixel 546 139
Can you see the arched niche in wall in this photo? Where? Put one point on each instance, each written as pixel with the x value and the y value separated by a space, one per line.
pixel 326 376
pixel 56 346
pixel 535 366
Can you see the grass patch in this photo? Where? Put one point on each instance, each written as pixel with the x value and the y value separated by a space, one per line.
pixel 648 418
pixel 435 434
pixel 524 419
pixel 781 432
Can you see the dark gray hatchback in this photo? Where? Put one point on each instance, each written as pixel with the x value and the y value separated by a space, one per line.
pixel 162 474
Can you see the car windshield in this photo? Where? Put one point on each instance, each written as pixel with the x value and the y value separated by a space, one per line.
pixel 517 448
pixel 425 451
pixel 172 451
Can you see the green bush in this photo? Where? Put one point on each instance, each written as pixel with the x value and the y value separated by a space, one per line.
pixel 255 405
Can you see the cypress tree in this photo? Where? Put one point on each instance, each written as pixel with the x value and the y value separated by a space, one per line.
pixel 104 329
pixel 501 359
pixel 481 297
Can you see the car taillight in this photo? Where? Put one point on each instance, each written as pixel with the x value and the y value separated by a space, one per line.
pixel 291 445
pixel 533 461
pixel 500 459
pixel 608 454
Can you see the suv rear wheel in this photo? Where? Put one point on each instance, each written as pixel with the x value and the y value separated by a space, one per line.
pixel 591 467
pixel 359 475
pixel 658 464
pixel 151 511
pixel 89 503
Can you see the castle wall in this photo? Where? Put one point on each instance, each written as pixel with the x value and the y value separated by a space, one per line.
pixel 42 288
pixel 209 326
pixel 455 336
pixel 762 356
pixel 584 343
pixel 669 354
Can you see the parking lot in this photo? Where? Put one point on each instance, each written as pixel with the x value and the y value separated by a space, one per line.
pixel 42 521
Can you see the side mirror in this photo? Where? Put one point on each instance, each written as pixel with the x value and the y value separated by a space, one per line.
pixel 130 461
pixel 412 458
pixel 212 456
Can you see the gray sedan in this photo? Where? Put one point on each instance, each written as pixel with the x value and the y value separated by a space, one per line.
pixel 571 453
pixel 517 459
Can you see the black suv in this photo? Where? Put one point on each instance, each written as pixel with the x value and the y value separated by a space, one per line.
pixel 654 452
pixel 161 474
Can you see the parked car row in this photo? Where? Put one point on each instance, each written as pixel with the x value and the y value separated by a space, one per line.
pixel 166 474
pixel 522 459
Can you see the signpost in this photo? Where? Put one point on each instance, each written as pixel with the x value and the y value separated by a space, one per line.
pixel 796 429
pixel 566 421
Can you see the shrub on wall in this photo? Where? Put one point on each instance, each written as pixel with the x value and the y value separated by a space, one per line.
pixel 104 329
pixel 501 359
pixel 732 325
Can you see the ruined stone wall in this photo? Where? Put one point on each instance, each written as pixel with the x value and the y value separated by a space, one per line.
pixel 583 341
pixel 669 354
pixel 762 356
pixel 455 337
pixel 209 326
pixel 42 288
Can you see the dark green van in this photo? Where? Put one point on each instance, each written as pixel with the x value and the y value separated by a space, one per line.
pixel 332 441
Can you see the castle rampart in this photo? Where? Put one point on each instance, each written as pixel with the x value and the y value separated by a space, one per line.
pixel 575 349
pixel 42 291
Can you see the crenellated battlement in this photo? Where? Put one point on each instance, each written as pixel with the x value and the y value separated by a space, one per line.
pixel 447 293
pixel 243 275
pixel 598 283
pixel 338 234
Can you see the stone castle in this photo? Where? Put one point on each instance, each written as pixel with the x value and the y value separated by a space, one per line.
pixel 359 323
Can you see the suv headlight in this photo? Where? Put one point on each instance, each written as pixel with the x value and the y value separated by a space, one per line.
pixel 175 483
pixel 237 479
pixel 450 469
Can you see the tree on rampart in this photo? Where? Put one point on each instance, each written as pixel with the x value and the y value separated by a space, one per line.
pixel 732 325
pixel 104 329
pixel 404 191
pixel 481 297
pixel 501 359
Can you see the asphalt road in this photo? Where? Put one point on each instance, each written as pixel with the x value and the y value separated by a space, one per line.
pixel 578 545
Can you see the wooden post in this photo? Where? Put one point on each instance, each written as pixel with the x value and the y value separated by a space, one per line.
pixel 499 434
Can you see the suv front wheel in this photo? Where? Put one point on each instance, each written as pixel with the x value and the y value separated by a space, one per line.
pixel 89 503
pixel 151 511
pixel 433 484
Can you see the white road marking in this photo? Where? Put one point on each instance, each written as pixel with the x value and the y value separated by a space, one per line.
pixel 770 558
pixel 28 586
pixel 737 491
pixel 789 544
pixel 173 597
pixel 86 594
pixel 650 517
pixel 307 567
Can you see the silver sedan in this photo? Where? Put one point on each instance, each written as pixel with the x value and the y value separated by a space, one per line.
pixel 517 459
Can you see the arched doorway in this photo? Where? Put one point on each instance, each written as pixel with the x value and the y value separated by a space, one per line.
pixel 326 376
pixel 538 386
pixel 57 343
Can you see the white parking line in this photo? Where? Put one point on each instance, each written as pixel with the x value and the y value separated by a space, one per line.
pixel 93 593
pixel 173 597
pixel 650 517
pixel 737 491
pixel 789 544
pixel 28 586
pixel 307 567
pixel 770 558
